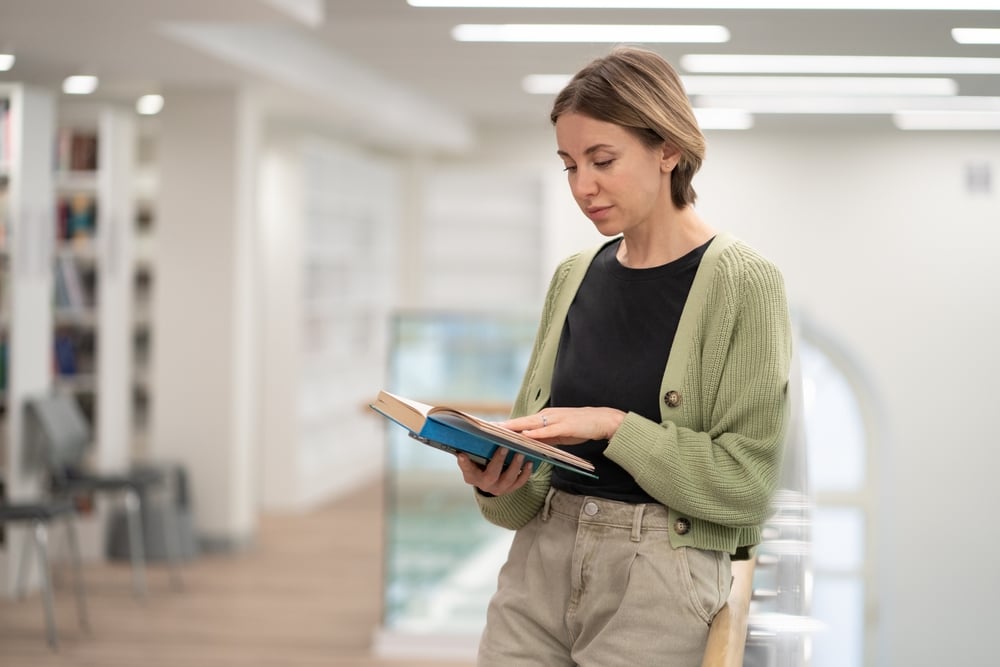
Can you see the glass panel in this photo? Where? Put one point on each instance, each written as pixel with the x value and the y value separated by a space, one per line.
pixel 838 602
pixel 838 538
pixel 442 557
pixel 834 425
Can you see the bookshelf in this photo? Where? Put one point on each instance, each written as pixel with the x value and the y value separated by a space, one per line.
pixel 92 276
pixel 26 214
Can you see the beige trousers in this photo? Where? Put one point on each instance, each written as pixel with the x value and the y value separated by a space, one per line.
pixel 591 582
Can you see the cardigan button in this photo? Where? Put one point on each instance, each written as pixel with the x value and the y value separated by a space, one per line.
pixel 672 398
pixel 682 526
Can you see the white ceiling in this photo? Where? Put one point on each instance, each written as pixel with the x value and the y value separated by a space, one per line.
pixel 401 58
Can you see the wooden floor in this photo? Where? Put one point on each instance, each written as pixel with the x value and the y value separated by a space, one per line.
pixel 308 593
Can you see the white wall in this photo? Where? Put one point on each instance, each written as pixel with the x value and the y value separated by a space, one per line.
pixel 882 245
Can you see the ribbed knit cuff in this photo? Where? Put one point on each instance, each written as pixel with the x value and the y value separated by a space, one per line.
pixel 629 447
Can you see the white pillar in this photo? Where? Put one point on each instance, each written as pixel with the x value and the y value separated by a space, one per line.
pixel 204 369
pixel 116 211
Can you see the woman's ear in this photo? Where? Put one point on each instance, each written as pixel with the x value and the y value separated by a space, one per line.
pixel 669 158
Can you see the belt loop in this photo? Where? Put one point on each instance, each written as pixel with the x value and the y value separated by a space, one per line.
pixel 637 522
pixel 546 508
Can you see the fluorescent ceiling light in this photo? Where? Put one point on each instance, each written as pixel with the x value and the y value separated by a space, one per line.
pixel 79 85
pixel 549 84
pixel 976 35
pixel 149 105
pixel 838 64
pixel 947 120
pixel 723 119
pixel 6 61
pixel 717 4
pixel 544 84
pixel 774 104
pixel 817 85
pixel 533 32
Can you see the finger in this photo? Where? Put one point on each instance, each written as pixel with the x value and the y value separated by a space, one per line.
pixel 495 467
pixel 509 478
pixel 472 472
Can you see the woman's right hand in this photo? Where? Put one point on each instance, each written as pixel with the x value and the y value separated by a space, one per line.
pixel 494 479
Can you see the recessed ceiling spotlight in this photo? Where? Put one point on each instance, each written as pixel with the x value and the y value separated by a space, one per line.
pixel 79 85
pixel 149 105
pixel 6 61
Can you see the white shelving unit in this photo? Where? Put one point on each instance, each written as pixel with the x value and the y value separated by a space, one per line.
pixel 96 324
pixel 26 276
pixel 328 256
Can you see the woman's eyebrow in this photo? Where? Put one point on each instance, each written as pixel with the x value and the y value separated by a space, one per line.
pixel 588 151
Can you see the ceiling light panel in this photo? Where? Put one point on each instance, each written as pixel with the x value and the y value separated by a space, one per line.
pixel 6 61
pixel 79 85
pixel 791 64
pixel 550 84
pixel 773 104
pixel 947 120
pixel 149 105
pixel 976 35
pixel 818 85
pixel 723 119
pixel 913 5
pixel 563 32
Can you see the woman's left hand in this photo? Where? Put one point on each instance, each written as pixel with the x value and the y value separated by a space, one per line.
pixel 568 426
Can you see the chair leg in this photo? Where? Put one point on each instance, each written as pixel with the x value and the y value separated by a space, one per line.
pixel 81 601
pixel 172 537
pixel 133 514
pixel 24 565
pixel 41 539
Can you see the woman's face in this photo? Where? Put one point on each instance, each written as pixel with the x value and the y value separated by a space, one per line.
pixel 618 182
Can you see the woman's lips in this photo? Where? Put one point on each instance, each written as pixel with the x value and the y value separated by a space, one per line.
pixel 598 212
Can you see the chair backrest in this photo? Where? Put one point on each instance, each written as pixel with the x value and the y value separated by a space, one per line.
pixel 58 430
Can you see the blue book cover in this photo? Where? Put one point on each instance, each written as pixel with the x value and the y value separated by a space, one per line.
pixel 455 431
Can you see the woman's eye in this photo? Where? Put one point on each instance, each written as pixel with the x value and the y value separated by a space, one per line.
pixel 569 167
pixel 605 163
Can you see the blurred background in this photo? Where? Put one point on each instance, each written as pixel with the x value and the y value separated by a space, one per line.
pixel 227 224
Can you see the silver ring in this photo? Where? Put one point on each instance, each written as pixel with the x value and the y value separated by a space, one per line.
pixel 545 421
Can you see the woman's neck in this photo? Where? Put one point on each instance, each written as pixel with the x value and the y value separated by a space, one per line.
pixel 663 242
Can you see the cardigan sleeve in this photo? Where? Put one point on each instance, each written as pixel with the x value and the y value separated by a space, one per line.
pixel 720 459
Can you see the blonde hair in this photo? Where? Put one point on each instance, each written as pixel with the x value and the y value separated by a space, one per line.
pixel 640 91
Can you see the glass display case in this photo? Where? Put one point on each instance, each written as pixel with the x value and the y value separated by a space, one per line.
pixel 441 556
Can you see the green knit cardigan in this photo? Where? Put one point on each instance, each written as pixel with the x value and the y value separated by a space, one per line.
pixel 714 458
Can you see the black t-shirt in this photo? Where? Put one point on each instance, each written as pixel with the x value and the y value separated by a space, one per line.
pixel 613 352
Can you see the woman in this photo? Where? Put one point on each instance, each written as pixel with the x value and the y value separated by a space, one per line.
pixel 663 358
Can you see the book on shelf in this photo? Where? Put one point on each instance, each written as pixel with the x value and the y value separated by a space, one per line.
pixel 70 293
pixel 76 150
pixel 455 431
pixel 77 217
pixel 64 359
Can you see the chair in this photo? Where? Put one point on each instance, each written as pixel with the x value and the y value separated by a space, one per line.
pixel 62 436
pixel 39 515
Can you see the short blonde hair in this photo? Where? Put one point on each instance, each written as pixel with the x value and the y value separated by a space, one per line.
pixel 640 91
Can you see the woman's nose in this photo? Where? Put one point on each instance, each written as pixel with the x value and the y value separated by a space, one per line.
pixel 583 184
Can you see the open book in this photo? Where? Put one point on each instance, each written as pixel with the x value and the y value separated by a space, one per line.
pixel 456 431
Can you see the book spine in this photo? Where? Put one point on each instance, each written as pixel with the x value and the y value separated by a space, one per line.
pixel 480 449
